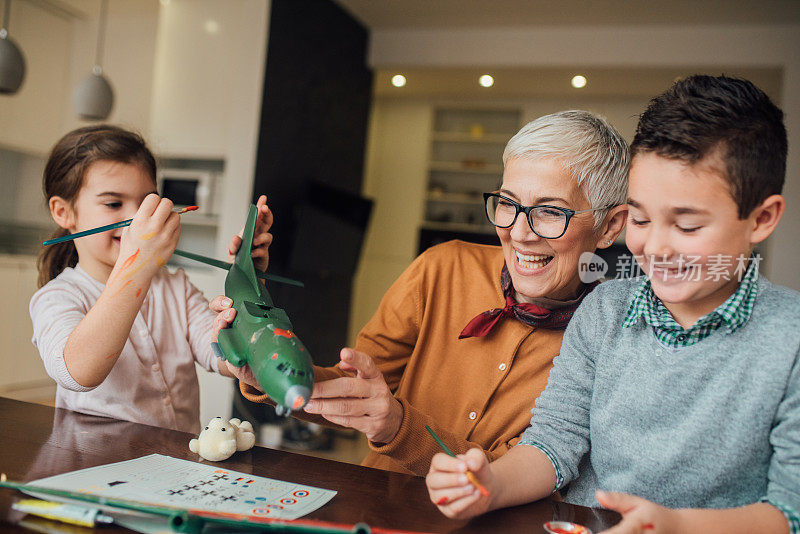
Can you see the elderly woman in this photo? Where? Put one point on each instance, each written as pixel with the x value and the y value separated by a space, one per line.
pixel 464 340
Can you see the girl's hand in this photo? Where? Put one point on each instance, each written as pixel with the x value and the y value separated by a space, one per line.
pixel 639 516
pixel 149 241
pixel 450 489
pixel 221 305
pixel 363 402
pixel 261 237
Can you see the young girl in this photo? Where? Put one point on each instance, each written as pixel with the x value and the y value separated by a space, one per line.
pixel 119 334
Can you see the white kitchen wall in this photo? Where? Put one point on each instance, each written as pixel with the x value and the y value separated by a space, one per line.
pixel 623 113
pixel 207 91
pixel 59 51
pixel 195 69
pixel 31 119
pixel 128 59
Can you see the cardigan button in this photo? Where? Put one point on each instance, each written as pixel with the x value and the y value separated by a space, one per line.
pixel 502 367
pixel 473 415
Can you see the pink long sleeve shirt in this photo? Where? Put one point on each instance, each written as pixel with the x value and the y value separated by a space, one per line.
pixel 154 380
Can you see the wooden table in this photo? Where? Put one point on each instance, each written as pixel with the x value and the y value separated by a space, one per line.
pixel 39 441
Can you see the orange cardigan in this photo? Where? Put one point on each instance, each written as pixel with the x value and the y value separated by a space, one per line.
pixel 474 392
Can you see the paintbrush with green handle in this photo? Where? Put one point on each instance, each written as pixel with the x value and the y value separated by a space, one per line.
pixel 121 224
pixel 470 475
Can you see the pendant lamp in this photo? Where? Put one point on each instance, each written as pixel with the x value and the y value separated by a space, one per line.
pixel 93 97
pixel 12 62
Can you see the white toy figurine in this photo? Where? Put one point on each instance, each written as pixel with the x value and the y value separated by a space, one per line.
pixel 245 437
pixel 220 439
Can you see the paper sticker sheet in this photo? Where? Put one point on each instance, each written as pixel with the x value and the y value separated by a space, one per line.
pixel 163 480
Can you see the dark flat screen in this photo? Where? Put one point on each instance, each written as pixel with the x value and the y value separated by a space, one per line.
pixel 181 192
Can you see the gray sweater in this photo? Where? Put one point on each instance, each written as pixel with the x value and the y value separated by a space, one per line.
pixel 713 425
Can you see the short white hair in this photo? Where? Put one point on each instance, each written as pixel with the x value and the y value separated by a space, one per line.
pixel 592 151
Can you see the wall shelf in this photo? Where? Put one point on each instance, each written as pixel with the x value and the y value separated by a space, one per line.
pixel 460 227
pixel 456 166
pixel 461 137
pixel 455 198
pixel 465 161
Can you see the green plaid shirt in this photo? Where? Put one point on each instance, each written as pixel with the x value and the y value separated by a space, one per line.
pixel 733 313
pixel 791 516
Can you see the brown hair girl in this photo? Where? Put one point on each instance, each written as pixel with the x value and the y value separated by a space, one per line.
pixel 64 174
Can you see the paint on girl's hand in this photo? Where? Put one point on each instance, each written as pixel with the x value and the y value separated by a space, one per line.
pixel 147 237
pixel 130 273
pixel 648 526
pixel 142 264
pixel 127 263
pixel 138 292
pixel 442 501
pixel 130 260
pixel 111 355
pixel 118 291
pixel 160 261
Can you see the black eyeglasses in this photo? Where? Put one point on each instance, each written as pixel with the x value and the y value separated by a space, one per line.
pixel 548 222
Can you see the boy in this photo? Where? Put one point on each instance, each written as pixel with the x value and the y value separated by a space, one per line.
pixel 681 388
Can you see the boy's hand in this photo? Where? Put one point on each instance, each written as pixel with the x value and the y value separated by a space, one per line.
pixel 261 236
pixel 450 489
pixel 148 242
pixel 639 516
pixel 221 305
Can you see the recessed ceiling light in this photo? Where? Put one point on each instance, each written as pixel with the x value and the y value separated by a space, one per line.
pixel 578 81
pixel 398 80
pixel 486 81
pixel 211 26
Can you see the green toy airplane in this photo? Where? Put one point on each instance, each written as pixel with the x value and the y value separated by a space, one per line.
pixel 261 334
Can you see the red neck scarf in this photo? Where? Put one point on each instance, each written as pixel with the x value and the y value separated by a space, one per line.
pixel 530 314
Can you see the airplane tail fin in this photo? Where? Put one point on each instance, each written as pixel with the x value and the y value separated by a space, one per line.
pixel 243 259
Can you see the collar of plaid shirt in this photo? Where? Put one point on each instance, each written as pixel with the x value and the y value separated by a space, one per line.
pixel 734 312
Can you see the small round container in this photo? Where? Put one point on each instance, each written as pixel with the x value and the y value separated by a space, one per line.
pixel 565 527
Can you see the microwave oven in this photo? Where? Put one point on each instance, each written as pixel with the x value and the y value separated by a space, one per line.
pixel 185 187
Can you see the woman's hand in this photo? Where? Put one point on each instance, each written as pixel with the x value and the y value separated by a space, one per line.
pixel 363 402
pixel 450 489
pixel 261 236
pixel 149 241
pixel 221 305
pixel 639 516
